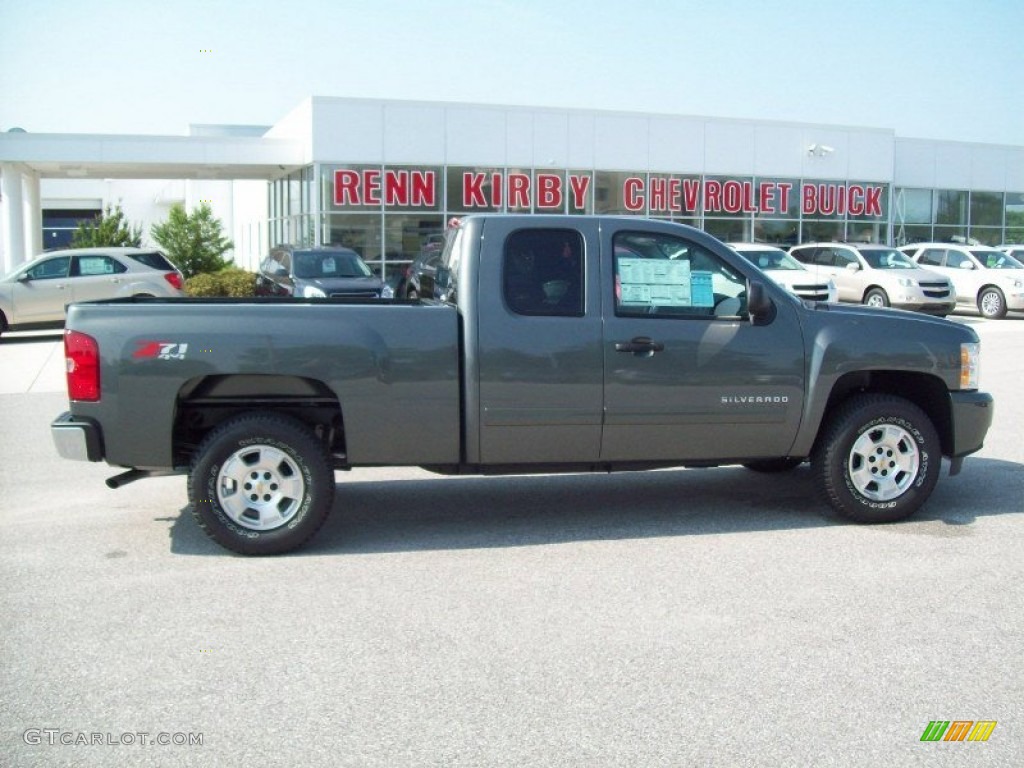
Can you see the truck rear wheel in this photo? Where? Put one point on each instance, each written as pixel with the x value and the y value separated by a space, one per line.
pixel 878 459
pixel 261 484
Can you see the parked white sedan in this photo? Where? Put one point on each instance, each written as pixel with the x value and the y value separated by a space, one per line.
pixel 35 294
pixel 983 277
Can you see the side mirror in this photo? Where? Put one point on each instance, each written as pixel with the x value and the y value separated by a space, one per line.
pixel 966 265
pixel 760 306
pixel 24 277
pixel 853 266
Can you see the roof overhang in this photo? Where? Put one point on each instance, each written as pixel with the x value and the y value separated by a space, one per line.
pixel 92 156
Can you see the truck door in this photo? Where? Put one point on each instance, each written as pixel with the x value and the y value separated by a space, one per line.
pixel 687 373
pixel 538 349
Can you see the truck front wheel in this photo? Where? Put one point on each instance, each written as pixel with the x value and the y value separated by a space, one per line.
pixel 878 460
pixel 261 484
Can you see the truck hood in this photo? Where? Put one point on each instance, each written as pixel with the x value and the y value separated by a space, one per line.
pixel 889 321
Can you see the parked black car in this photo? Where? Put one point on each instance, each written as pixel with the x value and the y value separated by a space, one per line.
pixel 418 281
pixel 318 272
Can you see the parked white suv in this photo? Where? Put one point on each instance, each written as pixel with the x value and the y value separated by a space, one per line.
pixel 786 271
pixel 984 277
pixel 1017 251
pixel 35 294
pixel 878 276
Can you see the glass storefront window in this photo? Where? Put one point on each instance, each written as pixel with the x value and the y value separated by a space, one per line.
pixel 728 230
pixel 351 188
pixel 781 232
pixel 579 192
pixel 1014 222
pixel 987 235
pixel 360 232
pixel 727 197
pixel 950 207
pixel 986 209
pixel 776 198
pixel 867 201
pixel 619 193
pixel 949 234
pixel 406 234
pixel 822 231
pixel 474 190
pixel 912 206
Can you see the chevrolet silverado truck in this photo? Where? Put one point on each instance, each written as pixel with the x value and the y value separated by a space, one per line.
pixel 552 344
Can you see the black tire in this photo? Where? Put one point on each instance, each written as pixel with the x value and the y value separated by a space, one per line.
pixel 261 484
pixel 876 297
pixel 772 466
pixel 992 303
pixel 878 459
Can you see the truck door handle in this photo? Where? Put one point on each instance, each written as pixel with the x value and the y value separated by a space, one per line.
pixel 642 346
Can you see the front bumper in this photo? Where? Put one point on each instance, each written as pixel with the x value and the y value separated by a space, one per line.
pixel 972 416
pixel 77 439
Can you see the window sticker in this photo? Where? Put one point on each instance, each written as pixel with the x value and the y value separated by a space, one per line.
pixel 329 266
pixel 663 283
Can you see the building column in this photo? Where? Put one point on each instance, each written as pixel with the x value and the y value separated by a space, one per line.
pixel 12 218
pixel 33 215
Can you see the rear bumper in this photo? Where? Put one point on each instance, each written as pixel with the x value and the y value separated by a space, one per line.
pixel 77 439
pixel 972 416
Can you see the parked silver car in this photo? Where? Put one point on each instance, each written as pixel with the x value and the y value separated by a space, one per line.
pixel 878 276
pixel 35 294
pixel 786 271
pixel 984 277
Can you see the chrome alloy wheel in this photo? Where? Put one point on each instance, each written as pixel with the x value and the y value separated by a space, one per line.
pixel 260 487
pixel 884 462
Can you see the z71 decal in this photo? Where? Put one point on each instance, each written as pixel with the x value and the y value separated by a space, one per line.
pixel 160 350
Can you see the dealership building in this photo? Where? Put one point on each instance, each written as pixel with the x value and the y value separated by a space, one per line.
pixel 382 176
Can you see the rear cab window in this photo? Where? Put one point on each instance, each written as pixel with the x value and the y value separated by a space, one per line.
pixel 543 272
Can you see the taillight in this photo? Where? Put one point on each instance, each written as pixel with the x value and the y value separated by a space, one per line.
pixel 174 279
pixel 82 356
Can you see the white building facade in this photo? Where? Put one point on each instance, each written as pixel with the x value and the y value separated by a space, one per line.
pixel 383 176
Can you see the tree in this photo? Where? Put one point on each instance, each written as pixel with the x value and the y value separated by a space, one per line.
pixel 194 242
pixel 107 229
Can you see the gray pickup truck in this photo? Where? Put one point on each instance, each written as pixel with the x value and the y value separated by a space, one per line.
pixel 552 344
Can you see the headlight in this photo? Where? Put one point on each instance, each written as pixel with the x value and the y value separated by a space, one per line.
pixel 387 292
pixel 970 354
pixel 312 292
pixel 906 282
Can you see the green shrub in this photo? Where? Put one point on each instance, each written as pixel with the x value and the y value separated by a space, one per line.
pixel 237 282
pixel 228 282
pixel 202 285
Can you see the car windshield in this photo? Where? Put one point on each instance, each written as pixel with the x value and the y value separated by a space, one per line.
pixel 887 258
pixel 770 259
pixel 313 264
pixel 997 260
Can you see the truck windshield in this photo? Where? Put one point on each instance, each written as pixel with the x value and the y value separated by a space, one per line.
pixel 312 264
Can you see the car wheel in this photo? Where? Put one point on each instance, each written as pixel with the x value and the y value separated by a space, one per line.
pixel 773 465
pixel 878 459
pixel 412 294
pixel 992 303
pixel 261 484
pixel 876 297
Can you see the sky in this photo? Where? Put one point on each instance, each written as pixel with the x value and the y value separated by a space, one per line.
pixel 936 70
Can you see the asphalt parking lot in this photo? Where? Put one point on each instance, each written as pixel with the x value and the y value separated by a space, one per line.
pixel 687 617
